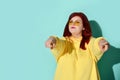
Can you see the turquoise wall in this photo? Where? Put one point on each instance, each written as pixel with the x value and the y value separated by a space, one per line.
pixel 26 24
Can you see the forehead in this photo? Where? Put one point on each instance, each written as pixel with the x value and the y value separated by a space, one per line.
pixel 76 18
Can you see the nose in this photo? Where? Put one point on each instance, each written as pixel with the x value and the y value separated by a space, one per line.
pixel 73 24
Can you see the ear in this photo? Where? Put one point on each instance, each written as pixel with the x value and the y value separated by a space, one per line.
pixel 83 28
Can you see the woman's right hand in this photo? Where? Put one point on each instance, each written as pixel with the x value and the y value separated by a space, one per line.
pixel 50 43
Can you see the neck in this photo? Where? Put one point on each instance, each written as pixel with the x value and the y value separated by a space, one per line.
pixel 76 35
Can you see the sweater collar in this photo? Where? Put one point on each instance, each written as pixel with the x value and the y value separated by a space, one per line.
pixel 76 39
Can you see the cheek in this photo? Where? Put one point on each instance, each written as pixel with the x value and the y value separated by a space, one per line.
pixel 79 29
pixel 69 28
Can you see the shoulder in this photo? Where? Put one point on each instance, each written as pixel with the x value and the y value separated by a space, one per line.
pixel 63 38
pixel 94 40
pixel 58 38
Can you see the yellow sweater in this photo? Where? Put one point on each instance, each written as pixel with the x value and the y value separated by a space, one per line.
pixel 74 63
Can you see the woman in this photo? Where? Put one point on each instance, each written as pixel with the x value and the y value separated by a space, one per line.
pixel 77 53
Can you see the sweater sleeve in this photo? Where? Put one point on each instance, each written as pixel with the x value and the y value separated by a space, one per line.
pixel 95 49
pixel 59 48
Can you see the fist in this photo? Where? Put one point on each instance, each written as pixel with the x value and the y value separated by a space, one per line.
pixel 50 43
pixel 103 44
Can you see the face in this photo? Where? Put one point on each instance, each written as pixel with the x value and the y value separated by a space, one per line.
pixel 75 25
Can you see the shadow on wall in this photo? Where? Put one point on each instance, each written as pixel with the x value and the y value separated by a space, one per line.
pixel 110 57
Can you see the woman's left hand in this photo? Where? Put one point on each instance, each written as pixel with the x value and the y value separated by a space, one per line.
pixel 103 44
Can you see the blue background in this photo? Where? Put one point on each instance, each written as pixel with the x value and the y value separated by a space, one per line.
pixel 26 24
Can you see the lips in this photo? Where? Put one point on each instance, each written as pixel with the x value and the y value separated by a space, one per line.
pixel 73 27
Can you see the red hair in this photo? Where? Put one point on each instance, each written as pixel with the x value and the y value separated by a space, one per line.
pixel 86 34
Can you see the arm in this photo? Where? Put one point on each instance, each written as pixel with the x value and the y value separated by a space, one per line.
pixel 57 46
pixel 97 47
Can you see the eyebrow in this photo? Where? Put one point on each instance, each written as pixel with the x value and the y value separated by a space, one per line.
pixel 75 20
